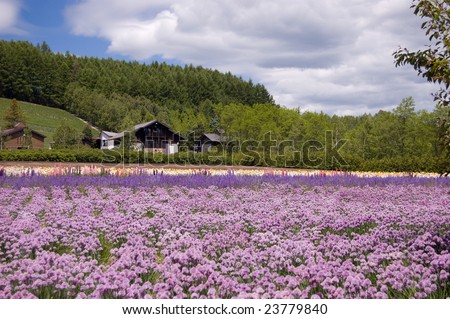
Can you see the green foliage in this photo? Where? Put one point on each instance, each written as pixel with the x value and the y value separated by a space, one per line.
pixel 44 119
pixel 66 137
pixel 13 115
pixel 83 155
pixel 112 94
pixel 433 63
pixel 401 140
pixel 244 122
pixel 115 95
pixel 87 133
pixel 104 253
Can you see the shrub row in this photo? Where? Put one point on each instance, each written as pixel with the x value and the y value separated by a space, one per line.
pixel 254 158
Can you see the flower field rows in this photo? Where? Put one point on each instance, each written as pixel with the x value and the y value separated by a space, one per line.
pixel 155 236
pixel 94 170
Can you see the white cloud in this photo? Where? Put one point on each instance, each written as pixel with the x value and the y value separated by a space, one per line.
pixel 330 55
pixel 9 16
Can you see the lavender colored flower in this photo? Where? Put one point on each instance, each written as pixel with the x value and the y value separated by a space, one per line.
pixel 231 236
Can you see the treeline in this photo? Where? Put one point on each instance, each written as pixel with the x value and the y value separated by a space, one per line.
pixel 267 135
pixel 114 94
pixel 402 133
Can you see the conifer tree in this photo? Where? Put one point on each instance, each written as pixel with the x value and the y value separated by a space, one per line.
pixel 13 115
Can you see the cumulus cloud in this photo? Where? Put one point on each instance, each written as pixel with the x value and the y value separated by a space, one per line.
pixel 330 55
pixel 9 16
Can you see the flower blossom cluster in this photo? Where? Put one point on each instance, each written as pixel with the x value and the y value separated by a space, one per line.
pixel 163 238
pixel 122 170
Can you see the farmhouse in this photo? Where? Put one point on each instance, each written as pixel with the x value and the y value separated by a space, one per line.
pixel 152 136
pixel 17 138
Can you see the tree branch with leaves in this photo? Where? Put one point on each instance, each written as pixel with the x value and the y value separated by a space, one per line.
pixel 433 63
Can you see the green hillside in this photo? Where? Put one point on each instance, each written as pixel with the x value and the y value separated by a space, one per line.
pixel 114 94
pixel 44 119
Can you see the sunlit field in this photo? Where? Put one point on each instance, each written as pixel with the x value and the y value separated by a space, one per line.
pixel 92 233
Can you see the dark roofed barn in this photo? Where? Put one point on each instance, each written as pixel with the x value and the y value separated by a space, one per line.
pixel 152 136
pixel 16 138
pixel 157 137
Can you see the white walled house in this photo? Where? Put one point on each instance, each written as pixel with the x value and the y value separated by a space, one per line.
pixel 107 140
pixel 171 149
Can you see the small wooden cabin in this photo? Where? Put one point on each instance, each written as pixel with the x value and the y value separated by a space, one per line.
pixel 16 138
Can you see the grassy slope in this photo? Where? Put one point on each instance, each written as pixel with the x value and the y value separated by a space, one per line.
pixel 44 119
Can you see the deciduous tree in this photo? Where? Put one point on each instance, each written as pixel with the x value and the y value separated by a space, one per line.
pixel 433 63
pixel 65 137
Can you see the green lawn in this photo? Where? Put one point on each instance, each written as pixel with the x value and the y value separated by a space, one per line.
pixel 44 119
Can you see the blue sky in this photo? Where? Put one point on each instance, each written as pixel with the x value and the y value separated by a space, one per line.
pixel 330 55
pixel 44 20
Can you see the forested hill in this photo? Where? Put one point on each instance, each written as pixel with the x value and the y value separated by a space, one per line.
pixel 116 94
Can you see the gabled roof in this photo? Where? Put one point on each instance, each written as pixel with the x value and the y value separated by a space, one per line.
pixel 142 125
pixel 213 137
pixel 114 136
pixel 17 128
pixel 109 133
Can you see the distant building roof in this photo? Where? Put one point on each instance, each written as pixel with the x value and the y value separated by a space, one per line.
pixel 17 128
pixel 109 133
pixel 114 136
pixel 142 125
pixel 213 137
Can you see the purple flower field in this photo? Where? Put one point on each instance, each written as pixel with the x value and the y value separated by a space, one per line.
pixel 224 237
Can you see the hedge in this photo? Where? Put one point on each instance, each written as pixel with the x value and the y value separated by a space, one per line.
pixel 253 158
